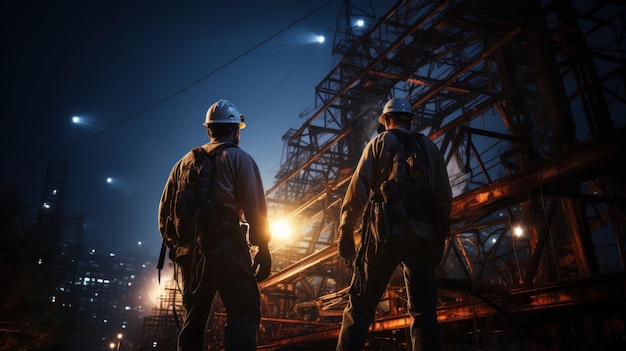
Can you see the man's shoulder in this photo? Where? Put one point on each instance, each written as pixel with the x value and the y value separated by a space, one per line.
pixel 189 157
pixel 393 137
pixel 406 136
pixel 212 147
pixel 232 153
pixel 193 155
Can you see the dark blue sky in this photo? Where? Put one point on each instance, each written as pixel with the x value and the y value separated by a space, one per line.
pixel 142 74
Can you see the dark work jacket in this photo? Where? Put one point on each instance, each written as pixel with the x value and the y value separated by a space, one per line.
pixel 238 186
pixel 373 169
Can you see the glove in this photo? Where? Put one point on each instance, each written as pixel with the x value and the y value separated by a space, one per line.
pixel 262 262
pixel 346 244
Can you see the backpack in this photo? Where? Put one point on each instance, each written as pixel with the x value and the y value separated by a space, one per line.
pixel 198 217
pixel 194 213
pixel 403 197
pixel 406 190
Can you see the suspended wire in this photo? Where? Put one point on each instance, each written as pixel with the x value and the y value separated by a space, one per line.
pixel 168 97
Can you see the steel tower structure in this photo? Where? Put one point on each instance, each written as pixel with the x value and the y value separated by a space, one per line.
pixel 526 100
pixel 159 331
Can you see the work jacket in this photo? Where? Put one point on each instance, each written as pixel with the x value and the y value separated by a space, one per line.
pixel 238 186
pixel 373 169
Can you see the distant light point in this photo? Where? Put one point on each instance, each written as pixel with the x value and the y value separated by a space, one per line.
pixel 109 180
pixel 321 39
pixel 75 119
pixel 360 23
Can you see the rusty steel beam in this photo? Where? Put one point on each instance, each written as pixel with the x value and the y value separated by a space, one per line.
pixel 318 198
pixel 322 150
pixel 300 266
pixel 457 74
pixel 587 157
pixel 599 290
pixel 321 334
pixel 595 291
pixel 365 70
pixel 292 321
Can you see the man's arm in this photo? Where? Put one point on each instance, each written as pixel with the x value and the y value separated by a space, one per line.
pixel 251 194
pixel 165 214
pixel 354 202
pixel 443 198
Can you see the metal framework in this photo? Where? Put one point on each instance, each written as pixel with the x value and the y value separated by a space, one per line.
pixel 159 331
pixel 526 101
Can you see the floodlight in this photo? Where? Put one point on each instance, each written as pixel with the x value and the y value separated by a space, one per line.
pixel 281 229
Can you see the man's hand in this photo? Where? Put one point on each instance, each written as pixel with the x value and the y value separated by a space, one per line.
pixel 346 244
pixel 262 262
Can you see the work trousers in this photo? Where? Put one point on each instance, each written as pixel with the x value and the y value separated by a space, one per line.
pixel 226 269
pixel 369 282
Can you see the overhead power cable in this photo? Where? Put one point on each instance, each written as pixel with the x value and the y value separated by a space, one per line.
pixel 149 107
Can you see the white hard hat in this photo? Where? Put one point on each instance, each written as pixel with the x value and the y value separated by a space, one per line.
pixel 224 112
pixel 397 105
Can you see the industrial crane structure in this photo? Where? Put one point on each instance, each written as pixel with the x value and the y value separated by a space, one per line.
pixel 527 102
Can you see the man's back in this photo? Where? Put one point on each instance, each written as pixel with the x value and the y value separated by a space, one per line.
pixel 416 172
pixel 207 195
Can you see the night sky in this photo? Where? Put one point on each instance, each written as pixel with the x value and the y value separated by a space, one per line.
pixel 141 75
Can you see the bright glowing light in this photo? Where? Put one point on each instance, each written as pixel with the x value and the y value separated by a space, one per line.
pixel 494 240
pixel 281 229
pixel 518 231
pixel 109 180
pixel 313 38
pixel 360 23
pixel 85 122
pixel 112 345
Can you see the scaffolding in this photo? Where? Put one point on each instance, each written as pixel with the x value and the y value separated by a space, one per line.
pixel 160 329
pixel 526 100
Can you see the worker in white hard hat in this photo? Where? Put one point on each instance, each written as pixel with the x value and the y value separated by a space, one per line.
pixel 400 211
pixel 212 210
